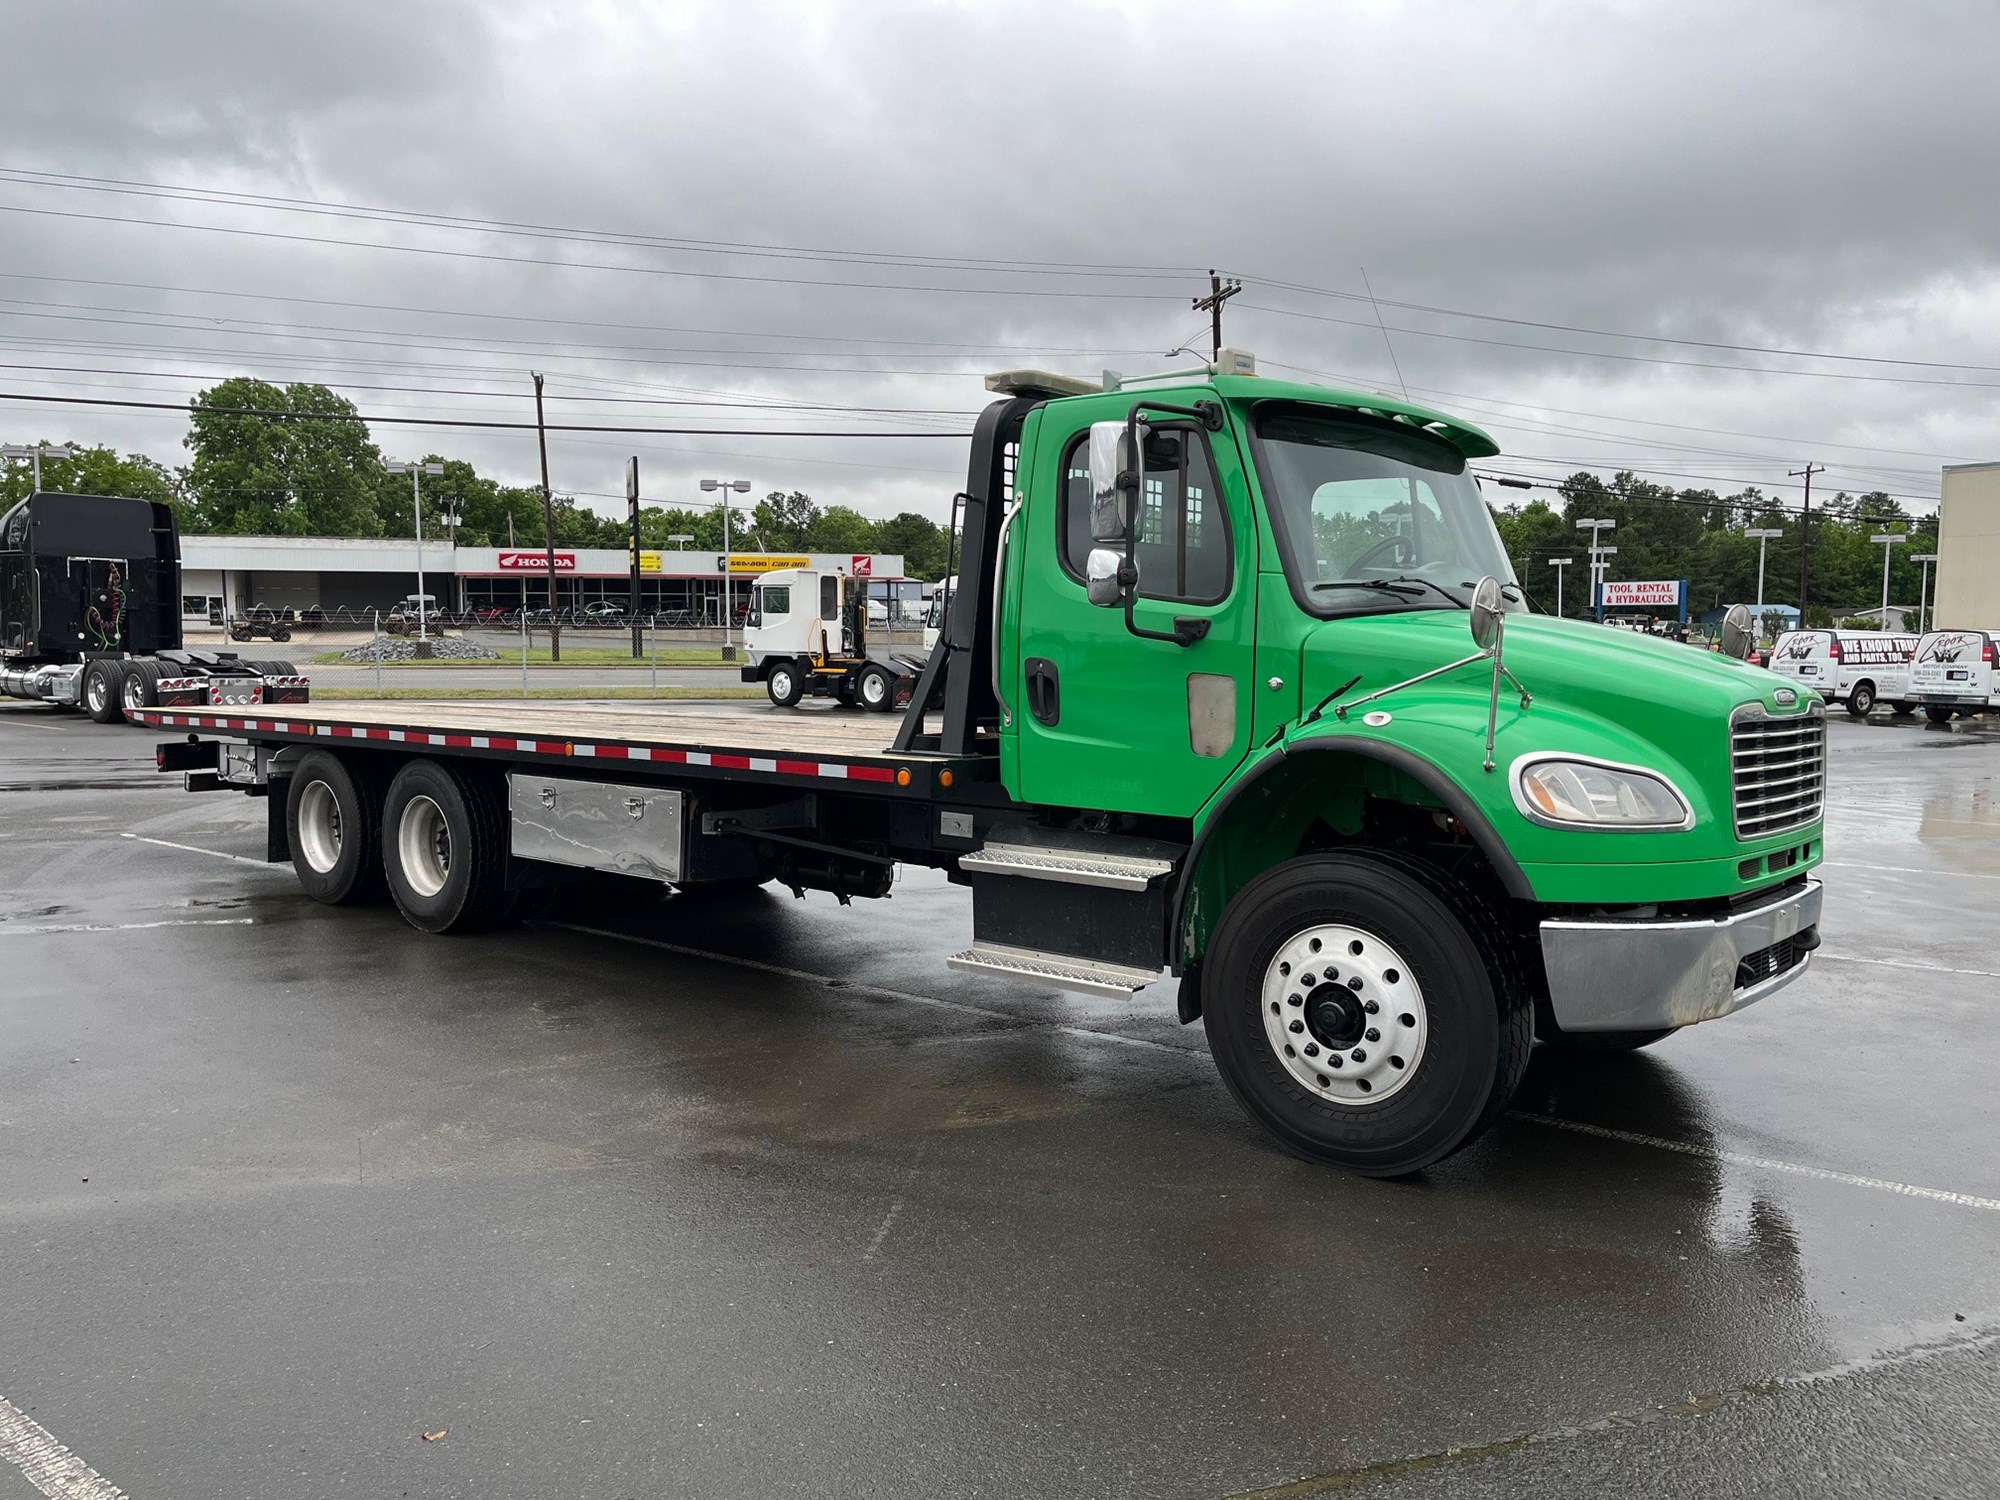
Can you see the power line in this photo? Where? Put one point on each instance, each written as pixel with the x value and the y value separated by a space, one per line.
pixel 579 265
pixel 294 416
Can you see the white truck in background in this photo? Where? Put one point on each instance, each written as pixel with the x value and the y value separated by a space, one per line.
pixel 813 633
pixel 1858 669
pixel 1953 673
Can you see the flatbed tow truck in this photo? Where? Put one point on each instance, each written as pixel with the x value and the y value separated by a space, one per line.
pixel 1237 686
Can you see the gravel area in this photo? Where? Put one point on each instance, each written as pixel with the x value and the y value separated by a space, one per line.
pixel 402 648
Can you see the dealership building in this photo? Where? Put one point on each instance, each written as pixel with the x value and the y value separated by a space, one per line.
pixel 235 574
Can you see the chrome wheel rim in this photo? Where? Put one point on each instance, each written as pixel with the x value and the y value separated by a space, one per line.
pixel 94 691
pixel 134 691
pixel 423 846
pixel 1344 1015
pixel 320 831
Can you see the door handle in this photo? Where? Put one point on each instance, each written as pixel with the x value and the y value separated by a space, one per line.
pixel 1044 690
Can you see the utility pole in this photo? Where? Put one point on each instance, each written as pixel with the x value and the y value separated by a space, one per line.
pixel 548 527
pixel 1219 292
pixel 1559 564
pixel 632 503
pixel 1805 534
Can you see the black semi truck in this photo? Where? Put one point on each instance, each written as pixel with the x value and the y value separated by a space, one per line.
pixel 90 614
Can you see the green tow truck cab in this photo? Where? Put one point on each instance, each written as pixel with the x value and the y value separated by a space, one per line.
pixel 1236 684
pixel 1232 627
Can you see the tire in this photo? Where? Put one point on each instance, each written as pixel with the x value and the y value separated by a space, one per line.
pixel 140 688
pixel 103 684
pixel 1938 713
pixel 784 683
pixel 282 633
pixel 875 689
pixel 333 821
pixel 1425 942
pixel 444 848
pixel 1600 1041
pixel 1902 710
pixel 1861 699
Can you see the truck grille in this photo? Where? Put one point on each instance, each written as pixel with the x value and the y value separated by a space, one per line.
pixel 1777 770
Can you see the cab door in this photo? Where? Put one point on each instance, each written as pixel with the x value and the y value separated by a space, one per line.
pixel 1106 719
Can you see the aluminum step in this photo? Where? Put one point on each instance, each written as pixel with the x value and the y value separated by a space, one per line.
pixel 1114 872
pixel 1086 976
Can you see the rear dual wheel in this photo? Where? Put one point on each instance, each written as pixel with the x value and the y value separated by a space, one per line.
pixel 103 687
pixel 333 820
pixel 1365 1011
pixel 445 847
pixel 140 689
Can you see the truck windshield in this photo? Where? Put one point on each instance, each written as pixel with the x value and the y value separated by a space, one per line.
pixel 1372 517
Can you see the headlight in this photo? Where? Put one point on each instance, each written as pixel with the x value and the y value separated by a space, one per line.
pixel 1596 794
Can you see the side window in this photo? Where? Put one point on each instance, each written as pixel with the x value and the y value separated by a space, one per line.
pixel 829 598
pixel 777 599
pixel 1182 543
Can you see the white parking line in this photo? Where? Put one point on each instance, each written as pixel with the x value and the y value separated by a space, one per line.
pixel 1849 864
pixel 196 849
pixel 127 926
pixel 1904 963
pixel 872 989
pixel 1769 1164
pixel 46 1463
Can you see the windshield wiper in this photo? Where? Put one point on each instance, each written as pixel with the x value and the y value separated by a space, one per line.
pixel 1384 585
pixel 1407 584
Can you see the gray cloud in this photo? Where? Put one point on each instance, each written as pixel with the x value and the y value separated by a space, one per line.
pixel 1807 176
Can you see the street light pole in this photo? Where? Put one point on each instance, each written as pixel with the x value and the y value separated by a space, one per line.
pixel 1559 564
pixel 1597 555
pixel 1763 536
pixel 416 471
pixel 742 487
pixel 1887 541
pixel 36 452
pixel 1924 588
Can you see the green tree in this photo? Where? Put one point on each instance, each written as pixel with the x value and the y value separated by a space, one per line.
pixel 659 525
pixel 307 470
pixel 783 522
pixel 920 540
pixel 841 528
pixel 93 471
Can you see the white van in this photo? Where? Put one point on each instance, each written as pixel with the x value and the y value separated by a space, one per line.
pixel 1859 668
pixel 1952 673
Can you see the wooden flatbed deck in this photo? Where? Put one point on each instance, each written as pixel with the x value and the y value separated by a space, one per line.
pixel 790 744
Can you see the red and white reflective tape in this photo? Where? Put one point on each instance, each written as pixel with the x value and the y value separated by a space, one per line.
pixel 825 770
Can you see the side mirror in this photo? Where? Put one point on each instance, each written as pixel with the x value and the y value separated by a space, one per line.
pixel 1111 456
pixel 1488 610
pixel 1101 578
pixel 1736 631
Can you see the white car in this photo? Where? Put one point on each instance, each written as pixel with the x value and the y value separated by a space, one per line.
pixel 1857 668
pixel 1952 673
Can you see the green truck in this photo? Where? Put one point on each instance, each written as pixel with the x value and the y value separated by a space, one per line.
pixel 1236 685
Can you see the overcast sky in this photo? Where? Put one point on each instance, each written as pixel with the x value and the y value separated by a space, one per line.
pixel 871 205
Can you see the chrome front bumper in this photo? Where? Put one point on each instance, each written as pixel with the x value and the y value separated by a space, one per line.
pixel 1639 976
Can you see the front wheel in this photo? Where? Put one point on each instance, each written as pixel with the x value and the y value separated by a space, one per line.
pixel 1861 701
pixel 1902 710
pixel 1365 1011
pixel 784 684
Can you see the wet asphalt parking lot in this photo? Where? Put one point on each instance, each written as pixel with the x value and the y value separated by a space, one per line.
pixel 678 1197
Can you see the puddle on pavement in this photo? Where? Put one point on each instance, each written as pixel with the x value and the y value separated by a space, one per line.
pixel 1963 829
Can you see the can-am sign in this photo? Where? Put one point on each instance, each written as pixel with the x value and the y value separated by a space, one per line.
pixel 1665 594
pixel 536 562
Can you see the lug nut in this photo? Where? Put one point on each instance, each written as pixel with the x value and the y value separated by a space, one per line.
pixel 1298 1026
pixel 1370 1006
pixel 1358 1055
pixel 1372 1035
pixel 1312 1049
pixel 1354 983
